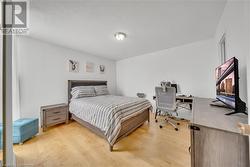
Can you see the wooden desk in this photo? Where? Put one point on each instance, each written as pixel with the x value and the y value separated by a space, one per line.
pixel 185 100
pixel 215 138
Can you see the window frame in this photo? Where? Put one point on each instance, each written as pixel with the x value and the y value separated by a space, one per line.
pixel 222 49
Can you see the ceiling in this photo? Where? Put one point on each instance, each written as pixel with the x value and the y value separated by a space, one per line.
pixel 89 26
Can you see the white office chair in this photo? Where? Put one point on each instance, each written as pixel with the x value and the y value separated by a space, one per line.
pixel 166 104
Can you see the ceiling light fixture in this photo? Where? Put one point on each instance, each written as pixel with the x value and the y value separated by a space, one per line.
pixel 120 36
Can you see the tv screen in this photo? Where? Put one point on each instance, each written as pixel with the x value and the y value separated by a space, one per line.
pixel 227 82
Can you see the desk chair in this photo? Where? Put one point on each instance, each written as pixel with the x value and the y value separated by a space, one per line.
pixel 166 104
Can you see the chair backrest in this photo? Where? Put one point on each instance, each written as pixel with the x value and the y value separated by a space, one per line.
pixel 165 100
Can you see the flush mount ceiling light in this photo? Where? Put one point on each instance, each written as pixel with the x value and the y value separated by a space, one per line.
pixel 120 36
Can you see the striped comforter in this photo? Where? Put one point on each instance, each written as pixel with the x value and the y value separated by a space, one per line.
pixel 108 112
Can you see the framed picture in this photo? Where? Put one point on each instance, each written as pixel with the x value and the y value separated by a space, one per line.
pixel 89 67
pixel 73 66
pixel 102 69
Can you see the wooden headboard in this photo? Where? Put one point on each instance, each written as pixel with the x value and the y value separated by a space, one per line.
pixel 74 83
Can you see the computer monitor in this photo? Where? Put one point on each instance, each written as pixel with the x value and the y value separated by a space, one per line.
pixel 227 89
pixel 227 85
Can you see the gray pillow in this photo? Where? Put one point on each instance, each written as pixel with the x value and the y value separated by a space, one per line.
pixel 82 91
pixel 101 90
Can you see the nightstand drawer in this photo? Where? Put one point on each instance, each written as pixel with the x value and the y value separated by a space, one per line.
pixel 55 119
pixel 56 111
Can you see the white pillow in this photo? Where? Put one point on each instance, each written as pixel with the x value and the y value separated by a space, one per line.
pixel 82 91
pixel 101 90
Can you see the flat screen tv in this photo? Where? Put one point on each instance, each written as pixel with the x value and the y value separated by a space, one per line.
pixel 227 85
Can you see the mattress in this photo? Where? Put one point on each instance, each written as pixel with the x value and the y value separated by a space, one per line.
pixel 108 112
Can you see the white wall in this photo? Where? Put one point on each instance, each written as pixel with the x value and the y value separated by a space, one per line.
pixel 43 73
pixel 192 66
pixel 233 23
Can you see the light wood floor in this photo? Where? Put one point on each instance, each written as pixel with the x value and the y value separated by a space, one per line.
pixel 75 146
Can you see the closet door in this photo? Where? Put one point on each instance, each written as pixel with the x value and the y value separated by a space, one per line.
pixel 1 91
pixel 216 148
pixel 6 80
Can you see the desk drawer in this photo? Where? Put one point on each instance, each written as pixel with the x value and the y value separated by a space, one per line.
pixel 57 111
pixel 55 119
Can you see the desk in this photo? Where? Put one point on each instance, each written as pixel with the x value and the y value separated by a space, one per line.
pixel 185 100
pixel 215 138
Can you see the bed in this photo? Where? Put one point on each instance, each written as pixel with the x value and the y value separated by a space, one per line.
pixel 110 117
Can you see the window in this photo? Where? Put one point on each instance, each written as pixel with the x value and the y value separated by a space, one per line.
pixel 222 48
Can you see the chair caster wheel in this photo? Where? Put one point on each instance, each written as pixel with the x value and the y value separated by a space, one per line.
pixel 176 129
pixel 178 123
pixel 160 126
pixel 156 120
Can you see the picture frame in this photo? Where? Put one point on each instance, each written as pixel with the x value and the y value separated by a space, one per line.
pixel 89 67
pixel 73 66
pixel 102 69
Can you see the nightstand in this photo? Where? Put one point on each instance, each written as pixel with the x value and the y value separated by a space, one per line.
pixel 54 114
